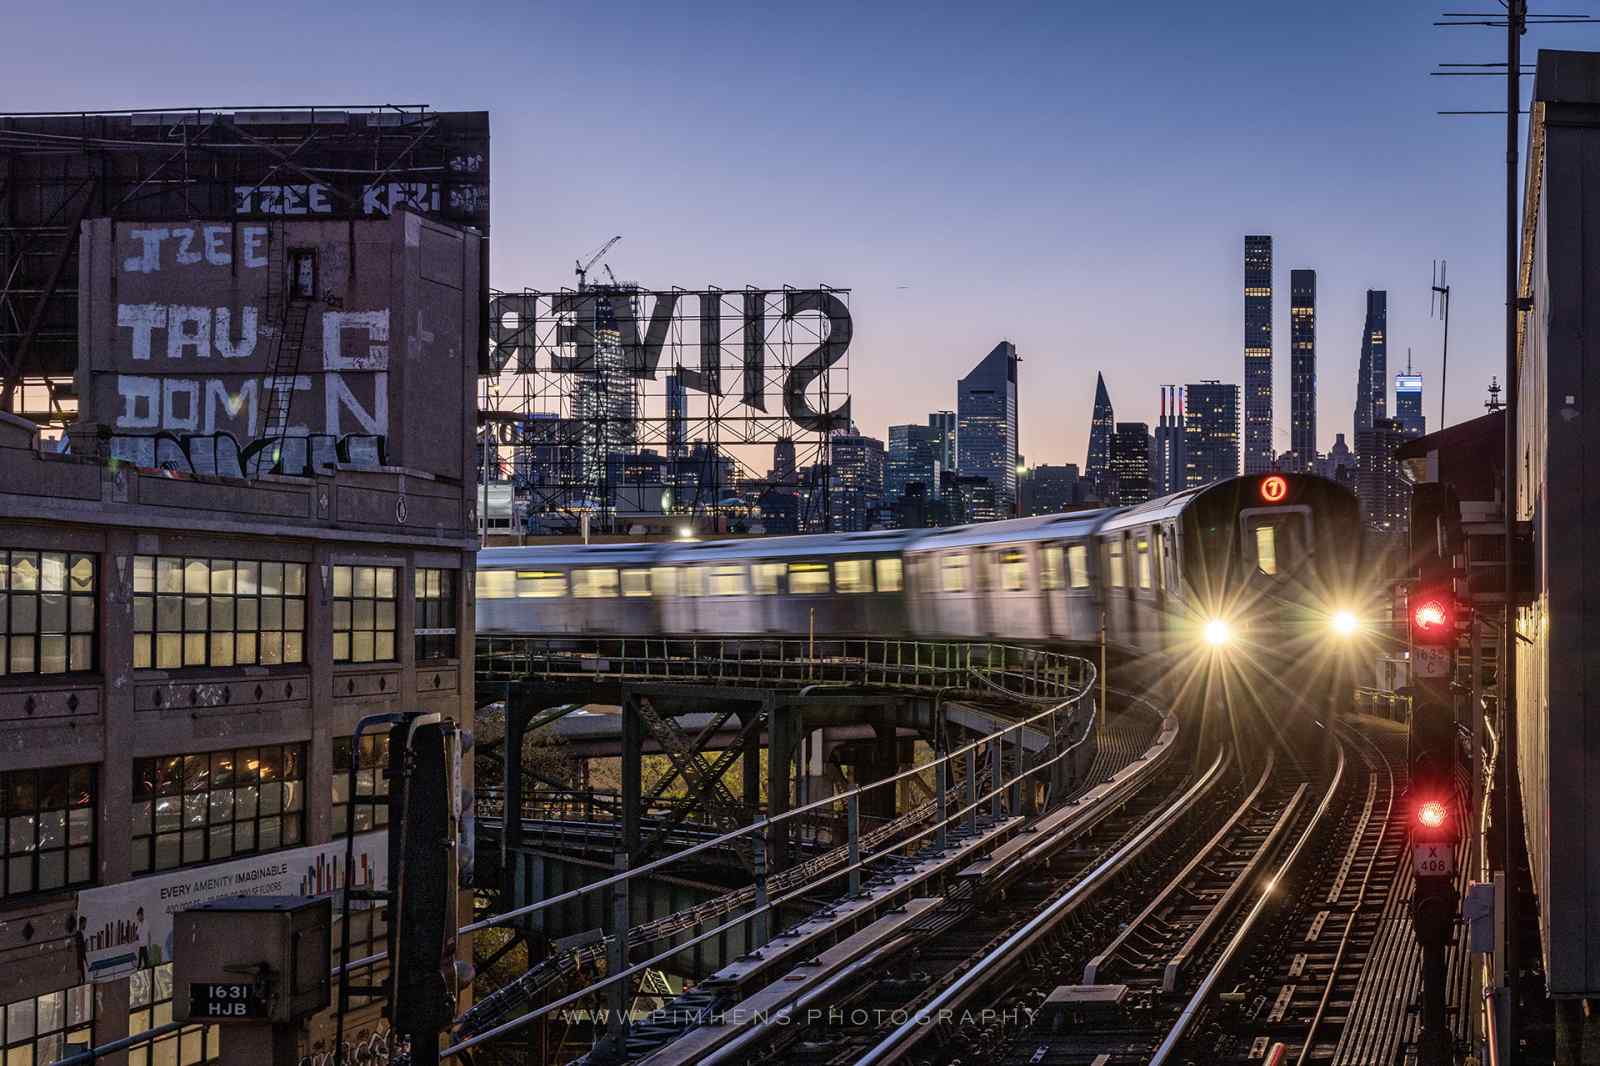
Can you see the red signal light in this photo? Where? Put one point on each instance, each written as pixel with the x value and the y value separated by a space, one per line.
pixel 1433 617
pixel 1274 488
pixel 1432 814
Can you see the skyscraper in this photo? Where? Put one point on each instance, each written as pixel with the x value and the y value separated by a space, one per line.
pixel 1130 462
pixel 1210 433
pixel 1166 474
pixel 986 420
pixel 677 417
pixel 1102 426
pixel 913 459
pixel 1056 488
pixel 1408 402
pixel 1258 454
pixel 1372 377
pixel 857 488
pixel 605 398
pixel 943 423
pixel 1303 368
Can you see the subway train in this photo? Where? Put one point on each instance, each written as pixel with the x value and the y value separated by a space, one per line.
pixel 1248 556
pixel 1264 569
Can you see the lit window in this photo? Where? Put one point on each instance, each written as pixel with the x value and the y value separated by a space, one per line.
pixel 1267 549
pixel 149 1006
pixel 1143 548
pixel 496 584
pixel 636 582
pixel 1114 563
pixel 1013 571
pixel 193 809
pixel 808 578
pixel 691 581
pixel 594 584
pixel 45 1028
pixel 1078 565
pixel 853 575
pixel 890 575
pixel 728 579
pixel 49 817
pixel 765 577
pixel 664 580
pixel 1050 567
pixel 435 632
pixel 371 803
pixel 954 571
pixel 217 612
pixel 541 584
pixel 364 613
pixel 49 625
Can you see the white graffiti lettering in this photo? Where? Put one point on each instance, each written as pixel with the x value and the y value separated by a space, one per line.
pixel 188 329
pixel 252 236
pixel 148 261
pixel 337 396
pixel 222 336
pixel 375 323
pixel 232 405
pixel 144 320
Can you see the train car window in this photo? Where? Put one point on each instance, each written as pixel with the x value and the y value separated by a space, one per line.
pixel 1013 570
pixel 1114 563
pixel 891 576
pixel 1078 565
pixel 664 580
pixel 691 581
pixel 1142 547
pixel 594 584
pixel 954 571
pixel 636 582
pixel 765 576
pixel 541 584
pixel 1169 560
pixel 496 584
pixel 852 575
pixel 1267 550
pixel 1050 567
pixel 729 579
pixel 807 579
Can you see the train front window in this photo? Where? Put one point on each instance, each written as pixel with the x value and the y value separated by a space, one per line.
pixel 852 575
pixel 808 578
pixel 953 572
pixel 1078 566
pixel 1274 540
pixel 1013 571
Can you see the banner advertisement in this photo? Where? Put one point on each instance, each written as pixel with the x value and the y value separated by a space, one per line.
pixel 126 927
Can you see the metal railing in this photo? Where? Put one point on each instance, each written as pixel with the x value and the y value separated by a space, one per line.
pixel 1384 704
pixel 1004 669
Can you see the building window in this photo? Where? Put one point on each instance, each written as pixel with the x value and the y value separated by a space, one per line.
pixel 217 612
pixel 44 1029
pixel 48 817
pixel 47 613
pixel 191 809
pixel 435 624
pixel 149 1006
pixel 371 803
pixel 363 613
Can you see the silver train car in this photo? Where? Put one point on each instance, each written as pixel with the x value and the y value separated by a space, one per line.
pixel 1259 555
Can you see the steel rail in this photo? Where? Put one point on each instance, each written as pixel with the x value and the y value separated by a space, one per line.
pixel 1191 1010
pixel 902 1039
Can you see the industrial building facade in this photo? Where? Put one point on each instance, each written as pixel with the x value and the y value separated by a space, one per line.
pixel 263 528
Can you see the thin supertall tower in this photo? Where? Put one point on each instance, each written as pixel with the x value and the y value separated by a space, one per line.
pixel 1102 425
pixel 1303 368
pixel 1258 455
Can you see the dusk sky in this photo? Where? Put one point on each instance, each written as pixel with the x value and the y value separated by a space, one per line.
pixel 1075 178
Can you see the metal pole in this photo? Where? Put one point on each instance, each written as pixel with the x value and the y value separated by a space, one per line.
pixel 852 819
pixel 1516 24
pixel 1102 667
pixel 939 786
pixel 969 794
pixel 997 748
pixel 617 959
pixel 760 924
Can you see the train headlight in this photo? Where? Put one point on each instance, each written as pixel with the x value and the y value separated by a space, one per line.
pixel 1345 623
pixel 1218 633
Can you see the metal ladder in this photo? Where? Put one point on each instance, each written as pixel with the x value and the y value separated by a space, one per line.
pixel 290 313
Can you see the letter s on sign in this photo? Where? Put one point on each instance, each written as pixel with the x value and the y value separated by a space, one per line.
pixel 830 351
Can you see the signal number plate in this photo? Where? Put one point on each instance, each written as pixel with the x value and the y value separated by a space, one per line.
pixel 1434 860
pixel 1430 662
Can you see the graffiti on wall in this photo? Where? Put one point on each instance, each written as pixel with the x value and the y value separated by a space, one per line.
pixel 196 341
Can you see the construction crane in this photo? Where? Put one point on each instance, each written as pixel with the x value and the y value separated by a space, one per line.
pixel 582 268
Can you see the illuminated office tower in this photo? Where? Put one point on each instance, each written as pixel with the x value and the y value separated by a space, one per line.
pixel 1303 368
pixel 1258 453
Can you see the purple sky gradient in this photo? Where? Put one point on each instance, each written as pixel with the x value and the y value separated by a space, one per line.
pixel 1078 184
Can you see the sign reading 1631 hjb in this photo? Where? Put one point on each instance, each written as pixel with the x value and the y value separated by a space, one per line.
pixel 763 346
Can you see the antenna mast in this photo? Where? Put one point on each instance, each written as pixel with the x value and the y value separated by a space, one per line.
pixel 1439 306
